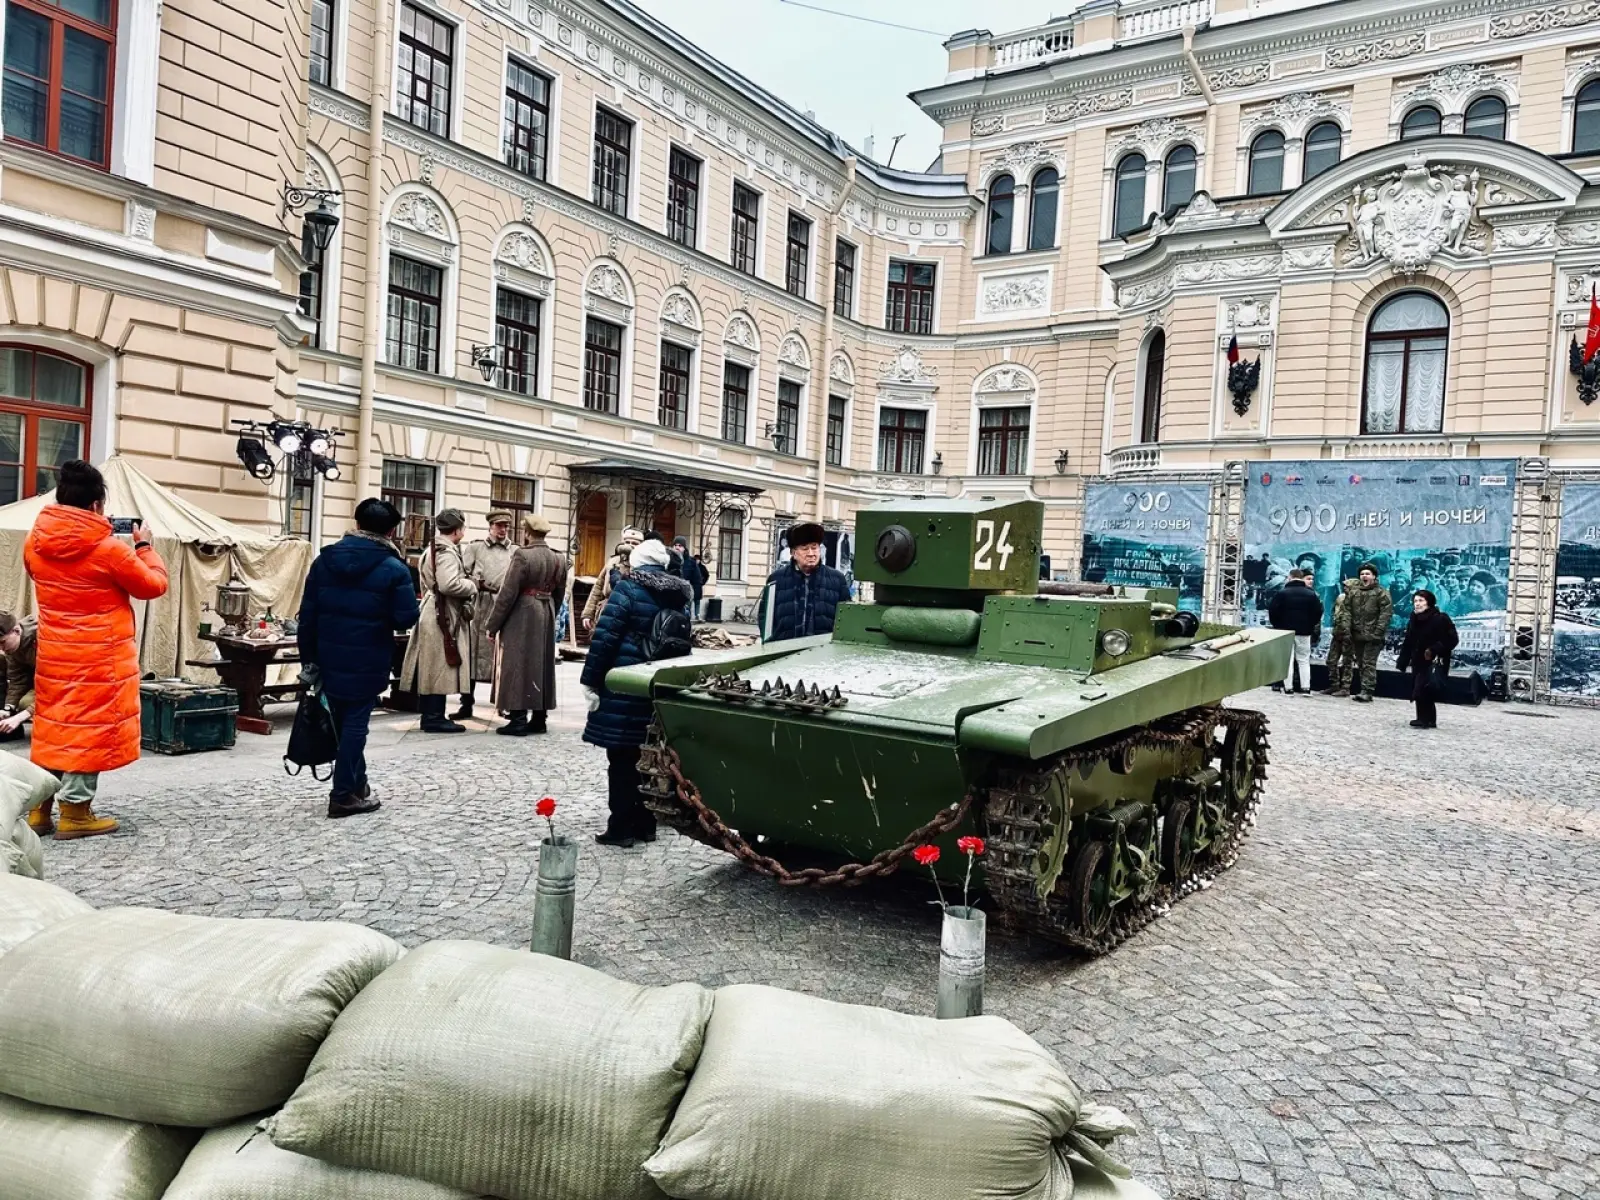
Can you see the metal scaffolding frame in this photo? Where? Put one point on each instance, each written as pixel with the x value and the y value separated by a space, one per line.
pixel 1225 545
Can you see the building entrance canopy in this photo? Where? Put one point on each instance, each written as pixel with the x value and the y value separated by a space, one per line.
pixel 648 493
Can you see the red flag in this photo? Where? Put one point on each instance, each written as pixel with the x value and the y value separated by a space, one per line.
pixel 1591 342
pixel 1594 334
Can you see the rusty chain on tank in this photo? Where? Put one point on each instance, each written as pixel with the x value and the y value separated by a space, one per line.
pixel 848 875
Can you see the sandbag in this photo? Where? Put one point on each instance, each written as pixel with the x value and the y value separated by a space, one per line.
pixel 1091 1183
pixel 54 1154
pixel 796 1098
pixel 239 1162
pixel 179 1020
pixel 29 905
pixel 499 1071
pixel 23 787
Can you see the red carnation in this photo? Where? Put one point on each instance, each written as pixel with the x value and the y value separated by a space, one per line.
pixel 926 855
pixel 970 845
pixel 547 808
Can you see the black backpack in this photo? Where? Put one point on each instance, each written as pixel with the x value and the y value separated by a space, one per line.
pixel 668 636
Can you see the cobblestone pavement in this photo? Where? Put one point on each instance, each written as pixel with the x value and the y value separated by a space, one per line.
pixel 1394 992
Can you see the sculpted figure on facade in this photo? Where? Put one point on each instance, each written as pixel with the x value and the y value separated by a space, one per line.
pixel 1412 216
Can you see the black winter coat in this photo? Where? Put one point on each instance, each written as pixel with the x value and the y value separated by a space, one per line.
pixel 1430 631
pixel 1299 608
pixel 795 605
pixel 618 641
pixel 358 595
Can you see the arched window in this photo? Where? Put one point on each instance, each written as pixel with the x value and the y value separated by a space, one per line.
pixel 1266 163
pixel 1002 200
pixel 44 418
pixel 1422 121
pixel 1155 367
pixel 1486 117
pixel 1408 340
pixel 1042 213
pixel 1324 144
pixel 1586 119
pixel 1128 207
pixel 1177 186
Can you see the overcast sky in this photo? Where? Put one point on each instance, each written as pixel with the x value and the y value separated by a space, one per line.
pixel 852 75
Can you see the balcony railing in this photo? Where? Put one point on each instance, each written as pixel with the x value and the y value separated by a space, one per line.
pixel 1034 46
pixel 1170 17
pixel 1131 460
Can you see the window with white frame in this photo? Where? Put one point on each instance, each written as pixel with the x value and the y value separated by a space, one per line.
pixel 1408 343
pixel 319 65
pixel 1002 208
pixel 413 488
pixel 416 301
pixel 527 132
pixel 613 150
pixel 902 433
pixel 730 545
pixel 426 70
pixel 1586 119
pixel 838 407
pixel 735 402
pixel 683 197
pixel 908 307
pixel 602 366
pixel 677 365
pixel 743 237
pixel 1266 164
pixel 1178 177
pixel 1003 440
pixel 516 338
pixel 1046 195
pixel 1486 117
pixel 1127 195
pixel 786 435
pixel 1324 145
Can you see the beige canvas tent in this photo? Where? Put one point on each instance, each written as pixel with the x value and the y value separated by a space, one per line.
pixel 200 552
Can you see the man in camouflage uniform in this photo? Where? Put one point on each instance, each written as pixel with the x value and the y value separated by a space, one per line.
pixel 1341 660
pixel 1370 608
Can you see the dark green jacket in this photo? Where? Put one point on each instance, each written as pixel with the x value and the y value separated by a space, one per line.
pixel 1371 609
pixel 20 666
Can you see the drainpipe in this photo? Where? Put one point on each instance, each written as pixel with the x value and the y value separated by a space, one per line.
pixel 1211 105
pixel 827 331
pixel 372 305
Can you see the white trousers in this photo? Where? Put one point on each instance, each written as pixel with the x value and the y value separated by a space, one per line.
pixel 1301 655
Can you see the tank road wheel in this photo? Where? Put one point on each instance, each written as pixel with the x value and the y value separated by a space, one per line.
pixel 1241 766
pixel 1177 841
pixel 1091 889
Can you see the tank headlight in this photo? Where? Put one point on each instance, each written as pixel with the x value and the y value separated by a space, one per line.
pixel 1115 642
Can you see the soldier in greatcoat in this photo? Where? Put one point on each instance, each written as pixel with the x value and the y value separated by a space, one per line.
pixel 438 661
pixel 486 560
pixel 523 624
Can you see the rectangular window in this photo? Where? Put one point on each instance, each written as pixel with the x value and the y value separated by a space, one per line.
pixel 613 147
pixel 302 497
pixel 676 362
pixel 320 67
pixel 735 402
pixel 515 495
pixel 901 432
pixel 311 282
pixel 683 198
pixel 910 305
pixel 730 545
pixel 837 406
pixel 844 279
pixel 797 256
pixel 527 147
pixel 57 88
pixel 516 337
pixel 786 437
pixel 416 295
pixel 746 228
pixel 427 51
pixel 1003 441
pixel 602 366
pixel 413 488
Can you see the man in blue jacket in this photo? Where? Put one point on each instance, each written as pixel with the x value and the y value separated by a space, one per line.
pixel 358 595
pixel 801 597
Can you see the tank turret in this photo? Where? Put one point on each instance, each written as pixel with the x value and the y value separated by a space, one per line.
pixel 1078 727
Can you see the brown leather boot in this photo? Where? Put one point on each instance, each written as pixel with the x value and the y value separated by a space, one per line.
pixel 79 821
pixel 39 819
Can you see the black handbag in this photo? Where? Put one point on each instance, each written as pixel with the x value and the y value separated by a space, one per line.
pixel 1438 678
pixel 313 740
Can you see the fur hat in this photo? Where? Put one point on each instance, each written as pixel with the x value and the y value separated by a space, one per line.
pixel 450 520
pixel 1368 566
pixel 649 553
pixel 804 533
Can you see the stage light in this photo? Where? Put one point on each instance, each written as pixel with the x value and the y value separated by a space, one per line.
pixel 326 466
pixel 255 458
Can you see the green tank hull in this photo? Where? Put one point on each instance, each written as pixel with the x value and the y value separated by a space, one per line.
pixel 1048 724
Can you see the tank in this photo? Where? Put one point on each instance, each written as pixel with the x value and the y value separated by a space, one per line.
pixel 1076 727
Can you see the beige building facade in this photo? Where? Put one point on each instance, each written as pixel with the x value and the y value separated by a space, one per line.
pixel 582 268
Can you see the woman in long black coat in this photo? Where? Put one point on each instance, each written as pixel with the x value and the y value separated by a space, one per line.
pixel 618 723
pixel 1430 640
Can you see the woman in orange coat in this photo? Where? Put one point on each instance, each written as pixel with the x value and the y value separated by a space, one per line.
pixel 86 684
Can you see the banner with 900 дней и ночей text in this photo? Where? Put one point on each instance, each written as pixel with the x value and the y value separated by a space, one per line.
pixel 1438 524
pixel 1148 535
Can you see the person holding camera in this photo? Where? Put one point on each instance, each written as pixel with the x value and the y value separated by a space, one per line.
pixel 86 682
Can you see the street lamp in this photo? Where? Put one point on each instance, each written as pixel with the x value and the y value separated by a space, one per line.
pixel 485 359
pixel 321 221
pixel 1061 462
pixel 938 461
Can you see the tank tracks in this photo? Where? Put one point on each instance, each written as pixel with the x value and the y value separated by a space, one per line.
pixel 1027 846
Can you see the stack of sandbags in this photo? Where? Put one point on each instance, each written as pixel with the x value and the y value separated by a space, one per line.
pixel 23 787
pixel 796 1098
pixel 29 905
pixel 161 1020
pixel 496 1071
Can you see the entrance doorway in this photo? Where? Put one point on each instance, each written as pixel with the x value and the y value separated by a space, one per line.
pixel 665 520
pixel 592 548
